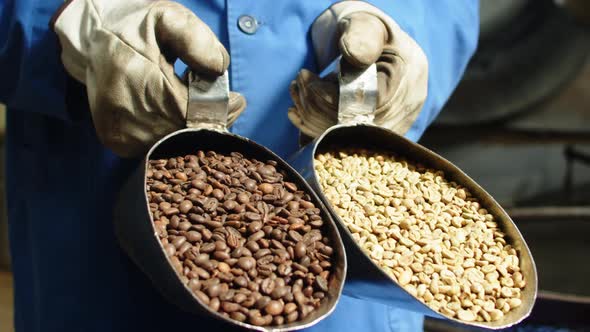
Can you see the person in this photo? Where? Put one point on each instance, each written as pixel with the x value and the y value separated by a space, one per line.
pixel 87 93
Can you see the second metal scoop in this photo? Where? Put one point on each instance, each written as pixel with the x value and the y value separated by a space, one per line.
pixel 366 280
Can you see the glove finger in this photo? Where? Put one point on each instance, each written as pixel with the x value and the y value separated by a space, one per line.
pixel 304 115
pixel 319 95
pixel 362 37
pixel 183 34
pixel 237 104
pixel 390 69
pixel 323 95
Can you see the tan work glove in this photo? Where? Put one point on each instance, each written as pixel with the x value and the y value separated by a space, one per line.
pixel 364 35
pixel 124 51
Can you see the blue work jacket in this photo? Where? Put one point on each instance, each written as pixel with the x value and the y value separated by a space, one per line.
pixel 70 274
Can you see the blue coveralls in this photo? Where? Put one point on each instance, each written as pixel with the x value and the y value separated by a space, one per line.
pixel 70 274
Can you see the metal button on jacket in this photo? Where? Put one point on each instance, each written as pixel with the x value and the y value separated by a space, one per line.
pixel 247 24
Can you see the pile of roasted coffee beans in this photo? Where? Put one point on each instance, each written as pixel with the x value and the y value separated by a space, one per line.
pixel 429 234
pixel 248 244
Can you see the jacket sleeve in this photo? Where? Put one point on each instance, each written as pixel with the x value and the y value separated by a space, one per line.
pixel 32 76
pixel 447 31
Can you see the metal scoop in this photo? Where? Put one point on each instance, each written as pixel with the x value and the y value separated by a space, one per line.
pixel 206 122
pixel 366 280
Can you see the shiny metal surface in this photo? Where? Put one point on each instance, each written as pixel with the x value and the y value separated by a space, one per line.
pixel 358 95
pixel 136 234
pixel 207 102
pixel 370 282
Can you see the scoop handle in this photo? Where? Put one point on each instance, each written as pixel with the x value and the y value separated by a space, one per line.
pixel 208 100
pixel 357 101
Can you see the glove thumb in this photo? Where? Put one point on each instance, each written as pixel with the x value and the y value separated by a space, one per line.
pixel 362 37
pixel 182 34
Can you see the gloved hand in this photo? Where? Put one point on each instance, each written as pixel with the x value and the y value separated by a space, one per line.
pixel 364 35
pixel 123 51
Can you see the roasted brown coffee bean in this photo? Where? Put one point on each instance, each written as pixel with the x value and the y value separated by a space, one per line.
pixel 184 247
pixel 214 290
pixel 247 263
pixel 315 268
pixel 201 259
pixel 214 224
pixel 223 267
pixel 170 249
pixel 300 249
pixel 289 308
pixel 316 223
pixel 253 286
pixel 252 216
pixel 267 286
pixel 174 222
pixel 233 237
pixel 277 235
pixel 254 227
pixel 292 187
pixel 202 296
pixel 238 252
pixel 218 194
pixel 321 283
pixel 278 320
pixel 295 236
pixel 265 260
pixel 184 226
pixel 220 245
pixel 239 316
pixel 214 304
pixel 193 236
pixel 178 241
pixel 281 255
pixel 230 205
pixel 249 302
pixel 266 188
pixel 278 292
pixel 267 230
pixel 305 261
pixel 256 236
pixel 292 317
pixel 207 234
pixel 264 270
pixel 264 243
pixel 262 252
pixel 253 247
pixel 241 281
pixel 185 206
pixel 257 320
pixel 262 302
pixel 176 198
pixel 274 308
pixel 194 284
pixel 239 298
pixel 243 198
pixel 221 255
pixel 250 185
pixel 208 247
pixel 284 269
pixel 230 307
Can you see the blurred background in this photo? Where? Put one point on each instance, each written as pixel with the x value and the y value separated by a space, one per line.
pixel 519 124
